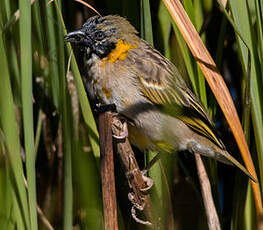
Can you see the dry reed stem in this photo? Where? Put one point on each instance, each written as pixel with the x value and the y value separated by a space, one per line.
pixel 40 213
pixel 89 6
pixel 210 210
pixel 107 172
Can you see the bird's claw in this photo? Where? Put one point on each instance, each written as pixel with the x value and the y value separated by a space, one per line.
pixel 148 181
pixel 119 128
pixel 136 206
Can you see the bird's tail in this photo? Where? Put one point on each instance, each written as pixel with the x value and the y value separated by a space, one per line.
pixel 226 158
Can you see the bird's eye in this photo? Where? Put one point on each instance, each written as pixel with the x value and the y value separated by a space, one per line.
pixel 99 35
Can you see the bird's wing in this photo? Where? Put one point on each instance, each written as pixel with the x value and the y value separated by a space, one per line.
pixel 161 83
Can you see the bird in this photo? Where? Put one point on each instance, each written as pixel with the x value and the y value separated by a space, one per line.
pixel 163 113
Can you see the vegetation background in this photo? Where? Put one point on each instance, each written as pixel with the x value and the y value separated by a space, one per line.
pixel 49 154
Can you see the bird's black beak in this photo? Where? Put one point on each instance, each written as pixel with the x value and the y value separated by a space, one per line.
pixel 75 36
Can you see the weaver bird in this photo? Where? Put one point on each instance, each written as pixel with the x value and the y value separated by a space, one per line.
pixel 122 69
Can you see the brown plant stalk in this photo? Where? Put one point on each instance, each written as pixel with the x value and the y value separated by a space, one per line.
pixel 210 210
pixel 107 172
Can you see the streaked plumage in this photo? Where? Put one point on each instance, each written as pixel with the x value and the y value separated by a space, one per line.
pixel 122 69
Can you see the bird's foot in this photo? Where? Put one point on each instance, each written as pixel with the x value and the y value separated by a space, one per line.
pixel 119 127
pixel 148 181
pixel 136 206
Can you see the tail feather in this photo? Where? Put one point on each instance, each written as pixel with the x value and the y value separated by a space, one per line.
pixel 204 147
pixel 226 158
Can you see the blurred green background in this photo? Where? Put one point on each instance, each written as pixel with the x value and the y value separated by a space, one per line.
pixel 49 153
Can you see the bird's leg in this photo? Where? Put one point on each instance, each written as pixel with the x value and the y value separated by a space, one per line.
pixel 149 181
pixel 152 162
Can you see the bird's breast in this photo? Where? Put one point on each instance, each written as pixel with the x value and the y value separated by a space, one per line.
pixel 112 83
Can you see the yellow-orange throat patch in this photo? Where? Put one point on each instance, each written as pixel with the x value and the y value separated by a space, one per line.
pixel 120 51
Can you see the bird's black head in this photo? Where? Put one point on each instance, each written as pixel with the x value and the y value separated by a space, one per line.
pixel 100 35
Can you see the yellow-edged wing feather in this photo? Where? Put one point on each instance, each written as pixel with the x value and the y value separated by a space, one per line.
pixel 162 84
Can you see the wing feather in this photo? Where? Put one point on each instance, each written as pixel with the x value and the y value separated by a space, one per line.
pixel 161 83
